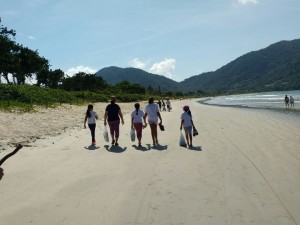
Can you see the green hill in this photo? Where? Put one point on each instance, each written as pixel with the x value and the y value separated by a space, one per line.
pixel 274 68
pixel 113 75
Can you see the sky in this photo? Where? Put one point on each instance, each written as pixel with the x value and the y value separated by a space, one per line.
pixel 174 38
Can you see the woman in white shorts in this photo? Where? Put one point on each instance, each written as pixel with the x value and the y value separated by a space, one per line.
pixel 152 112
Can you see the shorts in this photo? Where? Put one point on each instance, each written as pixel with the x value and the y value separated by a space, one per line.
pixel 153 121
pixel 188 130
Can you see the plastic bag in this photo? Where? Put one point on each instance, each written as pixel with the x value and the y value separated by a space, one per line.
pixel 132 135
pixel 182 141
pixel 195 132
pixel 105 134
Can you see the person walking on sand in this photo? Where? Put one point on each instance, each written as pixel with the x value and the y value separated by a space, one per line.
pixel 286 100
pixel 91 116
pixel 292 101
pixel 137 117
pixel 159 105
pixel 163 105
pixel 113 115
pixel 188 124
pixel 152 112
pixel 168 103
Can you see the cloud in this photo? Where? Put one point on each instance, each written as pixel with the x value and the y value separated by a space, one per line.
pixel 165 68
pixel 246 2
pixel 136 63
pixel 85 69
pixel 31 37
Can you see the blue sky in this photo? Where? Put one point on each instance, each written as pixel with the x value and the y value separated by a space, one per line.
pixel 177 39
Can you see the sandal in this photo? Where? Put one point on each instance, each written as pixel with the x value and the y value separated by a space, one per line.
pixel 113 142
pixel 116 144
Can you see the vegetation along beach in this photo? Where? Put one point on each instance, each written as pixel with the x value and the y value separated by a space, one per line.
pixel 239 166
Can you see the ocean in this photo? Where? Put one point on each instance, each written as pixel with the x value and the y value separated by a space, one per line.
pixel 264 100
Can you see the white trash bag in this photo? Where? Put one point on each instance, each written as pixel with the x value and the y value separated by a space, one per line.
pixel 182 141
pixel 132 135
pixel 105 134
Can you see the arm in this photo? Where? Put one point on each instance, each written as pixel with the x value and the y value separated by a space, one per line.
pixel 193 124
pixel 132 122
pixel 159 116
pixel 85 119
pixel 121 116
pixel 105 117
pixel 181 124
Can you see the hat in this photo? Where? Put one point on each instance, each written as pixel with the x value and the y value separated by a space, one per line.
pixel 186 108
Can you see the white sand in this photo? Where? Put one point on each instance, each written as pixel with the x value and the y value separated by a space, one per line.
pixel 248 171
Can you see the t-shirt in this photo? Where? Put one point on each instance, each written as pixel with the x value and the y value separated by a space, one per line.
pixel 187 119
pixel 137 118
pixel 152 110
pixel 113 112
pixel 92 118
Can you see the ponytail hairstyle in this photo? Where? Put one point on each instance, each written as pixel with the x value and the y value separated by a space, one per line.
pixel 186 108
pixel 89 109
pixel 137 107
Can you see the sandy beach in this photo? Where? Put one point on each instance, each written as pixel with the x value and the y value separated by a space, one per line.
pixel 244 169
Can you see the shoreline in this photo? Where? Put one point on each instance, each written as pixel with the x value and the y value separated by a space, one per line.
pixel 291 111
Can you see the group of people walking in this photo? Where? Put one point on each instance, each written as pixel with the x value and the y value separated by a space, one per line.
pixel 162 105
pixel 289 101
pixel 139 120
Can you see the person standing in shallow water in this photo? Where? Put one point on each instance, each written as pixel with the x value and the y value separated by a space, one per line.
pixel 292 101
pixel 286 101
pixel 91 116
pixel 137 122
pixel 152 112
pixel 113 115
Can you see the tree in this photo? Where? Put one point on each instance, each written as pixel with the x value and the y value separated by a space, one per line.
pixel 6 47
pixel 83 82
pixel 129 88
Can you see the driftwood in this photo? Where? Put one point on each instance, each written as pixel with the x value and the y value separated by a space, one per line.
pixel 11 154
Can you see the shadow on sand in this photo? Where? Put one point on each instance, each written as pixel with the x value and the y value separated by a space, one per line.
pixel 115 149
pixel 150 147
pixel 92 147
pixel 194 148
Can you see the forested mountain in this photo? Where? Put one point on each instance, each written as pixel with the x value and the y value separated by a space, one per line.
pixel 276 67
pixel 113 75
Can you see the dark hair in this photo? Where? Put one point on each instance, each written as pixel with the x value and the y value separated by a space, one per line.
pixel 89 109
pixel 113 99
pixel 189 112
pixel 137 106
pixel 151 100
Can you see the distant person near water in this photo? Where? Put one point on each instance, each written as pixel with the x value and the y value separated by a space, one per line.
pixel 188 125
pixel 91 116
pixel 113 115
pixel 137 117
pixel 286 100
pixel 292 101
pixel 152 112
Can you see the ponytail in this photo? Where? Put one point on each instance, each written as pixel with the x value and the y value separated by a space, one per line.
pixel 88 111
